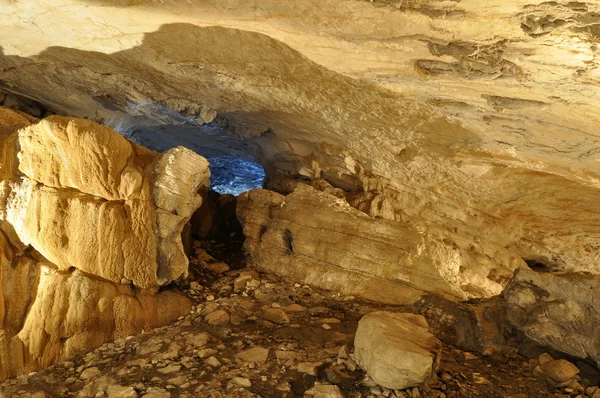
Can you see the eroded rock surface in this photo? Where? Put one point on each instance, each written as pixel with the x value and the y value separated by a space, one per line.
pixel 478 120
pixel 319 239
pixel 93 200
pixel 397 350
pixel 558 310
pixel 90 227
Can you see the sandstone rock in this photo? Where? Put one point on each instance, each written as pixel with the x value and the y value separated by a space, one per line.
pixel 212 361
pixel 397 350
pixel 156 392
pixel 119 217
pixel 242 382
pixel 558 310
pixel 559 370
pixel 438 122
pixel 311 368
pixel 277 316
pixel 318 239
pixel 545 357
pixel 256 354
pixel 89 373
pixel 219 317
pixel 55 327
pixel 117 391
pixel 324 391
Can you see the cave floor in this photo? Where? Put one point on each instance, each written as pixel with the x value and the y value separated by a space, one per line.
pixel 251 334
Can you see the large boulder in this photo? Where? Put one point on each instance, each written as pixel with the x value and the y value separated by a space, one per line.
pixel 396 349
pixel 559 310
pixel 88 200
pixel 93 200
pixel 317 238
pixel 73 312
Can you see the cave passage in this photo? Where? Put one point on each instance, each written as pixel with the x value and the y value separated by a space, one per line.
pixel 233 169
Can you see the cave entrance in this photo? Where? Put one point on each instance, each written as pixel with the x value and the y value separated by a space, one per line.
pixel 233 168
pixel 214 228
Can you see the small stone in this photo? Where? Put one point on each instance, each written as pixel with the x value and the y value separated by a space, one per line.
pixel 324 391
pixel 284 355
pixel 117 391
pixel 276 316
pixel 206 352
pixel 217 268
pixel 256 354
pixel 198 340
pixel 169 369
pixel 343 352
pixel 294 308
pixel 219 317
pixel 545 357
pixel 157 392
pixel 559 370
pixel 326 326
pixel 89 373
pixel 479 379
pixel 311 368
pixel 242 381
pixel 212 361
pixel 178 381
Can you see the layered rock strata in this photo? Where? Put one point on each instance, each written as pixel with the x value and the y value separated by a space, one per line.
pixel 396 349
pixel 316 238
pixel 558 310
pixel 90 229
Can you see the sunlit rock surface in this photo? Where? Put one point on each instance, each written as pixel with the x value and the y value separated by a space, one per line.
pixel 90 199
pixel 474 117
pixel 88 222
pixel 474 123
pixel 319 239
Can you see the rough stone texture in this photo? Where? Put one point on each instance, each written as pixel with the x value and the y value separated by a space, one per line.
pixel 88 200
pixel 73 312
pixel 476 119
pixel 559 370
pixel 559 310
pixel 319 239
pixel 397 350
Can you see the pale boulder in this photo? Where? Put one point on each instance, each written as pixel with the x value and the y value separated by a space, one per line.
pixel 73 312
pixel 396 349
pixel 559 310
pixel 93 200
pixel 318 239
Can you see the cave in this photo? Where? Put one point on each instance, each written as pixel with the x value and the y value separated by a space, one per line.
pixel 233 168
pixel 338 198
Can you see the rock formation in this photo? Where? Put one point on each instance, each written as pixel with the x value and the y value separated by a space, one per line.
pixel 461 135
pixel 87 220
pixel 397 350
pixel 316 238
pixel 558 310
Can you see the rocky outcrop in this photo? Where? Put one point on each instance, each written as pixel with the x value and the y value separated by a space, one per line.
pixel 91 199
pixel 558 310
pixel 74 312
pixel 316 238
pixel 397 350
pixel 90 227
pixel 483 131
